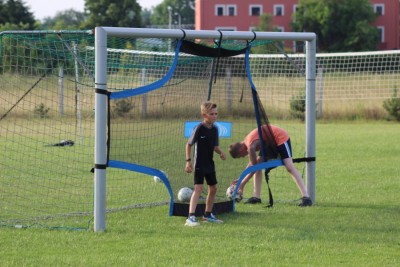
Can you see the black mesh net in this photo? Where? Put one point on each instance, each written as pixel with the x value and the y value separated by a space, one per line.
pixel 149 129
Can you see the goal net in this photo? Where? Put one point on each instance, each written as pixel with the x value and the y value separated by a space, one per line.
pixel 155 88
pixel 355 85
pixel 46 129
pixel 148 86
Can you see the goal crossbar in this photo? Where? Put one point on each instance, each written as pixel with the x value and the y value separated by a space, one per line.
pixel 205 34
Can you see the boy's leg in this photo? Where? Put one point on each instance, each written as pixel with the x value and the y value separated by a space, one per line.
pixel 285 150
pixel 295 175
pixel 212 191
pixel 257 184
pixel 198 189
pixel 256 198
pixel 208 216
pixel 191 220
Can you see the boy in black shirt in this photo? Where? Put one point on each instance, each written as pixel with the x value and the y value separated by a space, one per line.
pixel 205 141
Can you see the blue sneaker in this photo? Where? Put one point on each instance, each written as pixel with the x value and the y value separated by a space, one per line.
pixel 192 221
pixel 212 219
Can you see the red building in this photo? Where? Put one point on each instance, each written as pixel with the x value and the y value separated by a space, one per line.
pixel 243 15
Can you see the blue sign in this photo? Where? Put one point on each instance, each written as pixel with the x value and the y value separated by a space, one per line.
pixel 224 128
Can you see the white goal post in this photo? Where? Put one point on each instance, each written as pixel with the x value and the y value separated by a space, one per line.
pixel 101 35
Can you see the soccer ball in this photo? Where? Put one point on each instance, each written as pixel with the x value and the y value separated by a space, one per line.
pixel 230 191
pixel 158 179
pixel 185 194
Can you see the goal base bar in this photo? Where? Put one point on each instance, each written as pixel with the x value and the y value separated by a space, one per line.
pixel 182 209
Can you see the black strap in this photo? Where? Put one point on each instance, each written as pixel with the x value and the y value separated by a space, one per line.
pixel 219 55
pixel 108 128
pixel 102 92
pixel 271 199
pixel 192 48
pixel 99 166
pixel 184 34
pixel 306 159
pixel 254 37
pixel 107 93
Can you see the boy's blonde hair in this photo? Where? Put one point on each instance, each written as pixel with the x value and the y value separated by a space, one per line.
pixel 207 106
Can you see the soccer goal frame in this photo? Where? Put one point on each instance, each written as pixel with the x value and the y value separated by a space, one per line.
pixel 101 35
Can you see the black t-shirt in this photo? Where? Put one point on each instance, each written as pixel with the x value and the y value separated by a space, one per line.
pixel 204 140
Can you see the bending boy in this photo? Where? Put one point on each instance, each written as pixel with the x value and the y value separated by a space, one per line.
pixel 251 144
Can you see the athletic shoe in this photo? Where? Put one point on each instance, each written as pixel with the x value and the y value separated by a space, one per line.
pixel 212 219
pixel 305 201
pixel 192 221
pixel 253 200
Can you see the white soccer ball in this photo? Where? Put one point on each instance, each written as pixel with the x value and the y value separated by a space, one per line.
pixel 229 194
pixel 185 194
pixel 158 179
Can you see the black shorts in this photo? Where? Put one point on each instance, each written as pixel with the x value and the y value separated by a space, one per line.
pixel 285 150
pixel 199 176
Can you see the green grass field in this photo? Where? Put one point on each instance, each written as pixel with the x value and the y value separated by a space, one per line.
pixel 355 221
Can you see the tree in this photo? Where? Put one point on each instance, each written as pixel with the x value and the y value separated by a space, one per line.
pixel 265 25
pixel 16 15
pixel 181 9
pixel 146 17
pixel 64 20
pixel 340 25
pixel 112 13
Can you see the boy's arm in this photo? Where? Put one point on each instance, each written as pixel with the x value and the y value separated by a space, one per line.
pixel 252 152
pixel 188 167
pixel 188 151
pixel 218 150
pixel 245 180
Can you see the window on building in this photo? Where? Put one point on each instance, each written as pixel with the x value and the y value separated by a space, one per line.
pixel 279 10
pixel 231 10
pixel 280 29
pixel 381 30
pixel 219 10
pixel 255 10
pixel 379 9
